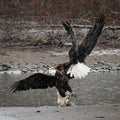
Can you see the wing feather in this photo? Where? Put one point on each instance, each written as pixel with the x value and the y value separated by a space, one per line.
pixel 91 39
pixel 35 81
pixel 67 27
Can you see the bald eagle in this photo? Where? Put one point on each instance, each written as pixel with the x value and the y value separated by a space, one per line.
pixel 75 67
pixel 43 81
pixel 60 75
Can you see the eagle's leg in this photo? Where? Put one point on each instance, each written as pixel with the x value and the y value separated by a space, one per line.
pixel 69 89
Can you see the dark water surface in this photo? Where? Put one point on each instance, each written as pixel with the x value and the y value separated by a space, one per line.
pixel 96 88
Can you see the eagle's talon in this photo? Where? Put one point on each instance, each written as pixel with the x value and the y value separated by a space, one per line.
pixel 62 71
pixel 73 94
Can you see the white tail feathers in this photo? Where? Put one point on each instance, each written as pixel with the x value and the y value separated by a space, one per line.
pixel 78 71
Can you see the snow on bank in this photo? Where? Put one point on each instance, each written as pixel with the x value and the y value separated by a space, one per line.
pixel 99 52
pixel 42 68
pixel 106 52
pixel 8 118
pixel 106 112
pixel 11 72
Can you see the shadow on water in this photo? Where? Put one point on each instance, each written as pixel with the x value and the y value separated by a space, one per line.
pixel 96 88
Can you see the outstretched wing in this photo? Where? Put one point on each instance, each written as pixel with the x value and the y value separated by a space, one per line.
pixel 35 81
pixel 91 39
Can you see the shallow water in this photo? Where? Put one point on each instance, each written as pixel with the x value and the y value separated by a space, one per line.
pixel 96 88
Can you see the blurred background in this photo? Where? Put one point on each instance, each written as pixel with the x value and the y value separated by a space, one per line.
pixel 38 22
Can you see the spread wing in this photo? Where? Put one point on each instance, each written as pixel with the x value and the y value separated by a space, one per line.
pixel 91 39
pixel 35 81
pixel 88 42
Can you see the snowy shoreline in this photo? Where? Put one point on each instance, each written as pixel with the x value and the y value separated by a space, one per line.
pixel 105 112
pixel 97 66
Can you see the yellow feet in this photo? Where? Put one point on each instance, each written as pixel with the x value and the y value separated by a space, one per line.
pixel 73 94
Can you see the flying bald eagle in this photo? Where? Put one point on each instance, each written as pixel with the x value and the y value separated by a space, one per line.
pixel 75 68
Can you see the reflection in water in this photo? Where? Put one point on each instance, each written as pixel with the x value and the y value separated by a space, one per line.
pixel 96 88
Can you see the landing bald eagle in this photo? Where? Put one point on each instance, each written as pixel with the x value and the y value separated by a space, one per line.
pixel 60 74
pixel 43 81
pixel 76 68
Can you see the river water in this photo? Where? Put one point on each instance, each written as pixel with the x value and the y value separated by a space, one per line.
pixel 96 88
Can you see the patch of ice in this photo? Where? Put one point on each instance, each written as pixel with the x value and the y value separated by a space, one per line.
pixel 99 52
pixel 58 53
pixel 8 118
pixel 11 72
pixel 106 52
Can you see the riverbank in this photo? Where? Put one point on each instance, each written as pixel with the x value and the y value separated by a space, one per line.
pixel 38 60
pixel 94 112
